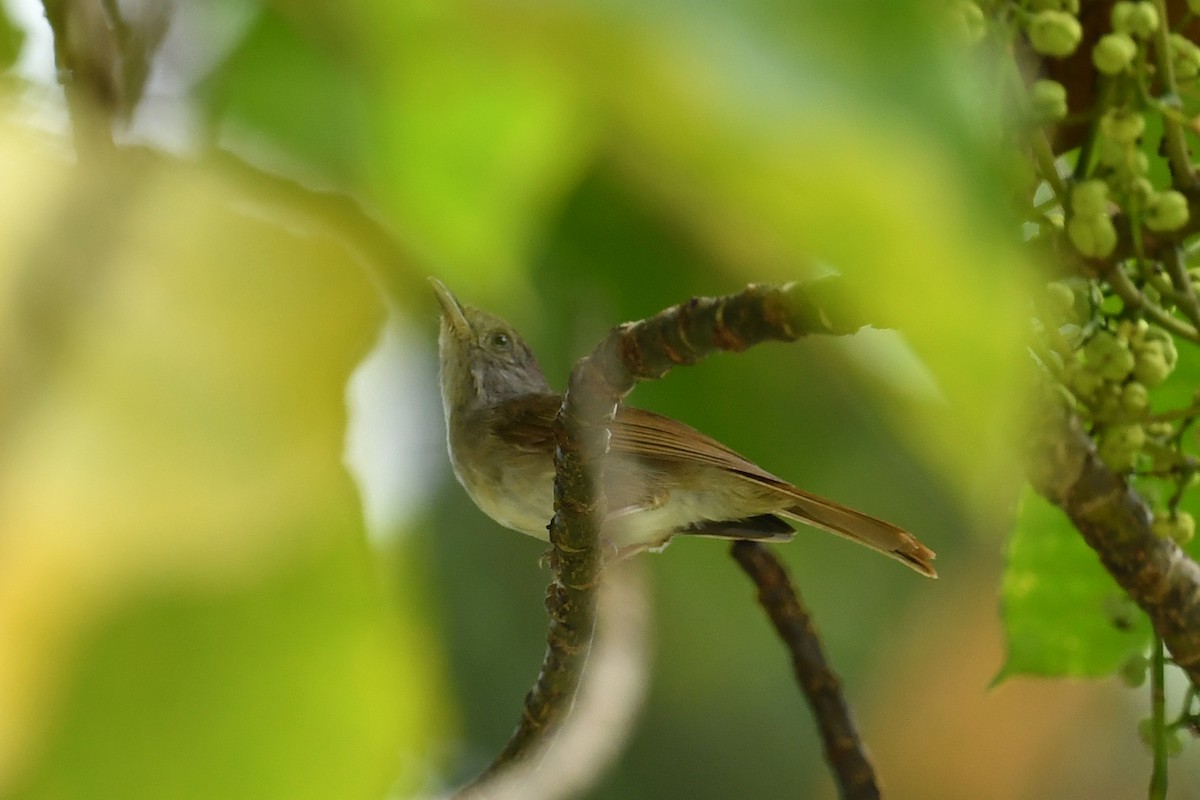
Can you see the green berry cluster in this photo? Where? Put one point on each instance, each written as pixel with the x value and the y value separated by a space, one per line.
pixel 1113 211
pixel 1135 19
pixel 1124 166
pixel 1185 57
pixel 1109 374
pixel 1108 335
pixel 1091 228
pixel 1116 183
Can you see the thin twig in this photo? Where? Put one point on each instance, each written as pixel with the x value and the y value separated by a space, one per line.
pixel 682 335
pixel 1173 261
pixel 843 748
pixel 1134 299
pixel 1158 701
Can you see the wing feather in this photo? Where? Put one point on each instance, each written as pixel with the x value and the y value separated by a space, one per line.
pixel 645 433
pixel 527 423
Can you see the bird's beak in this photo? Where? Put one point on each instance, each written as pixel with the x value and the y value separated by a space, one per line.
pixel 452 312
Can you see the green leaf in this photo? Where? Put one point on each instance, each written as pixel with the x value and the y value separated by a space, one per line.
pixel 481 137
pixel 188 608
pixel 300 93
pixel 1064 616
pixel 282 688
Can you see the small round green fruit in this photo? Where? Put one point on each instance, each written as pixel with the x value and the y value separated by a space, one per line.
pixel 1124 127
pixel 1167 211
pixel 1145 730
pixel 969 21
pixel 1092 234
pixel 1151 367
pixel 1048 100
pixel 1185 57
pixel 1184 529
pixel 1119 444
pixel 1135 398
pixel 1082 381
pixel 1133 671
pixel 1054 33
pixel 1061 299
pixel 1114 53
pixel 1120 16
pixel 1143 20
pixel 1089 197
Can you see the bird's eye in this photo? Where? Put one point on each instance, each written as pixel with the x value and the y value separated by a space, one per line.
pixel 500 340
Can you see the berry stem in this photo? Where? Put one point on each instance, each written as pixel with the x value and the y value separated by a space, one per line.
pixel 1134 299
pixel 1173 136
pixel 1173 261
pixel 1158 728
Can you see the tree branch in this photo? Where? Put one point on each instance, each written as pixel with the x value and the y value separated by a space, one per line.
pixel 843 749
pixel 1115 521
pixel 682 335
pixel 102 59
pixel 611 692
pixel 384 251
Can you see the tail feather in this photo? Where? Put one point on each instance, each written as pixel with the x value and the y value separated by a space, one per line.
pixel 856 526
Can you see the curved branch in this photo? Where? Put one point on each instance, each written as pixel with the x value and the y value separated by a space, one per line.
pixel 383 250
pixel 778 597
pixel 681 335
pixel 1115 521
pixel 611 693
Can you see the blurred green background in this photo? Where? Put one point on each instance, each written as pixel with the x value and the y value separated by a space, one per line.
pixel 193 601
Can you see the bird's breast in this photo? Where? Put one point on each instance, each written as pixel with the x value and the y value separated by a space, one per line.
pixel 516 489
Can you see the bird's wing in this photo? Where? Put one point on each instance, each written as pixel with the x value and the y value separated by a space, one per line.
pixel 526 422
pixel 650 435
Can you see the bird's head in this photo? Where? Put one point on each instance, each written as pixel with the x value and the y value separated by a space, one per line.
pixel 483 358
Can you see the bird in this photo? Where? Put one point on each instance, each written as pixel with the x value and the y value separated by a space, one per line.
pixel 660 477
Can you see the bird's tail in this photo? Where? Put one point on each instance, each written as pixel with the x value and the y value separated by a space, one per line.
pixel 856 526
